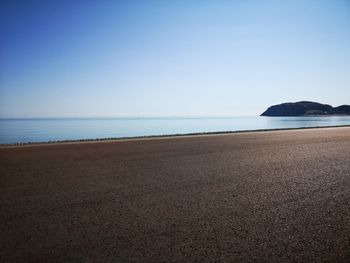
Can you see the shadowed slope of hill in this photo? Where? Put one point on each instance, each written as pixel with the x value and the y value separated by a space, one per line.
pixel 305 108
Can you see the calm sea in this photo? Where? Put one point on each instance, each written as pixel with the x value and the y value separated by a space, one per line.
pixel 41 130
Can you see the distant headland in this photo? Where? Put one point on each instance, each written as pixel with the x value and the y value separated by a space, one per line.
pixel 305 108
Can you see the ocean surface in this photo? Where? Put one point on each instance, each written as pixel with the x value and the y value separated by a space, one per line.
pixel 43 130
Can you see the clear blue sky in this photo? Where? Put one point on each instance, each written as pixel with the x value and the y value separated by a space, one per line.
pixel 170 58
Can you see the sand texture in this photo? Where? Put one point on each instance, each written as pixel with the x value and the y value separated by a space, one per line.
pixel 255 196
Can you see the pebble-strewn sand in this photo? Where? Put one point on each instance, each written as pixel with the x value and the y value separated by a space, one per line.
pixel 269 196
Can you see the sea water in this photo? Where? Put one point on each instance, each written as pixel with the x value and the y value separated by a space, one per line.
pixel 43 130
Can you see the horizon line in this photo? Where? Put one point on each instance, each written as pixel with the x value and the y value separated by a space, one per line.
pixel 127 117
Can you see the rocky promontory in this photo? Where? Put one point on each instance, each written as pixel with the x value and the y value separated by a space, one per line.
pixel 305 108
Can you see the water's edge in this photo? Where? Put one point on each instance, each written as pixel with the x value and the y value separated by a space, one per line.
pixel 112 139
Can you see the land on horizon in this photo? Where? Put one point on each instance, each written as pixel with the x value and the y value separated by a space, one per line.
pixel 306 108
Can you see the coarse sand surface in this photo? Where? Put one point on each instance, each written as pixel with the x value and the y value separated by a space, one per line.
pixel 256 196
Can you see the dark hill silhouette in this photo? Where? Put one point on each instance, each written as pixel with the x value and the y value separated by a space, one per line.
pixel 305 108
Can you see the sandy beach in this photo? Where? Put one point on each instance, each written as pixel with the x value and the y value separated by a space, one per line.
pixel 253 196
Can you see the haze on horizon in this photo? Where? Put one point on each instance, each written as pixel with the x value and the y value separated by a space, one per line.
pixel 170 58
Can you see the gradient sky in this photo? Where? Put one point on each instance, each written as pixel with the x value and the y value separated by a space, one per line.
pixel 170 58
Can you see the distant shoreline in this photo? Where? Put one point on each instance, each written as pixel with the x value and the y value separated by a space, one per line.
pixel 305 108
pixel 131 138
